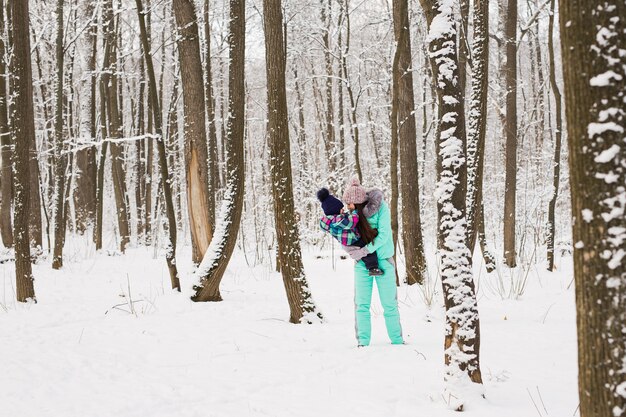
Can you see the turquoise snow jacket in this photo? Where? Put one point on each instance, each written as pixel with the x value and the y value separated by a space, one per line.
pixel 377 213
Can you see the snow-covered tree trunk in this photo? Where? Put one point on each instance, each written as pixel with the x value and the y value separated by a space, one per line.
pixel 407 136
pixel 329 132
pixel 170 254
pixel 557 143
pixel 60 158
pixel 85 194
pixel 477 126
pixel 593 42
pixel 289 254
pixel 6 226
pixel 115 128
pixel 510 130
pixel 209 273
pixel 462 335
pixel 209 97
pixel 24 130
pixel 196 156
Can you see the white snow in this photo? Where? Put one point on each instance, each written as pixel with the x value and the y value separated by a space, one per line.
pixel 607 155
pixel 594 129
pixel 604 79
pixel 84 350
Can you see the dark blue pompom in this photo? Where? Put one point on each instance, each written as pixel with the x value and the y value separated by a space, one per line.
pixel 323 194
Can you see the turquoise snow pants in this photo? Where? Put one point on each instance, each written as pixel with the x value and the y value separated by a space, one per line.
pixel 387 292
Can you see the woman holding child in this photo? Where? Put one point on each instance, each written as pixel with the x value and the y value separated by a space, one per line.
pixel 365 233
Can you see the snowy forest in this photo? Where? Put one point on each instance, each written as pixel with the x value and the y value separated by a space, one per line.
pixel 198 198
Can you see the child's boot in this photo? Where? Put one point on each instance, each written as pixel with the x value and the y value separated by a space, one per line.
pixel 375 272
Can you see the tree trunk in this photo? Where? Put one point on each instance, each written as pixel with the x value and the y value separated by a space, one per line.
pixel 407 134
pixel 210 108
pixel 462 332
pixel 6 227
pixel 97 235
pixel 170 252
pixel 140 158
pixel 477 122
pixel 302 142
pixel 331 146
pixel 115 128
pixel 557 143
pixel 592 42
pixel 341 145
pixel 60 158
pixel 395 72
pixel 510 129
pixel 196 156
pixel 24 131
pixel 301 303
pixel 218 255
pixel 353 103
pixel 85 196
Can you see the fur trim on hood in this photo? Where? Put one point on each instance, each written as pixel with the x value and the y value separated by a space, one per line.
pixel 374 202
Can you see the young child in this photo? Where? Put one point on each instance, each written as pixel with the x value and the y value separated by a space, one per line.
pixel 343 227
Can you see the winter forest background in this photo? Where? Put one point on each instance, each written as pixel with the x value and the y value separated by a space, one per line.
pixel 455 109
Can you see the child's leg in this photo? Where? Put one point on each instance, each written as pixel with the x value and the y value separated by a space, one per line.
pixel 370 261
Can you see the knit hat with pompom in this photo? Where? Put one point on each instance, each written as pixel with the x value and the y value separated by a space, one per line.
pixel 355 193
pixel 330 204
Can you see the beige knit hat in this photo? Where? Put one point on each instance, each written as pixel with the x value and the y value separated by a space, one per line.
pixel 355 193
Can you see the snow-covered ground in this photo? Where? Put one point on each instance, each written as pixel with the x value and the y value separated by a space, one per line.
pixel 85 350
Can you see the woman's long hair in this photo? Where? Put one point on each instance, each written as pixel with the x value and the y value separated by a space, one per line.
pixel 365 229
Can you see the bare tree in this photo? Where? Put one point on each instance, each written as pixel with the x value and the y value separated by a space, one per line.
pixel 218 255
pixel 557 142
pixel 592 42
pixel 6 227
pixel 114 122
pixel 85 195
pixel 196 157
pixel 24 131
pixel 476 129
pixel 210 109
pixel 60 158
pixel 170 253
pixel 330 141
pixel 510 129
pixel 462 331
pixel 289 254
pixel 407 134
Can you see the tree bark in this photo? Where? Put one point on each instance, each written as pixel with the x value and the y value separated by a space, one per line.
pixel 592 42
pixel 510 129
pixel 210 108
pixel 407 134
pixel 462 332
pixel 140 158
pixel 557 142
pixel 330 140
pixel 301 303
pixel 60 158
pixel 24 131
pixel 115 128
pixel 196 157
pixel 353 102
pixel 6 226
pixel 477 127
pixel 395 72
pixel 218 255
pixel 85 195
pixel 170 252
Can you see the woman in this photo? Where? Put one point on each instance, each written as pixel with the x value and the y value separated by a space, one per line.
pixel 377 232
